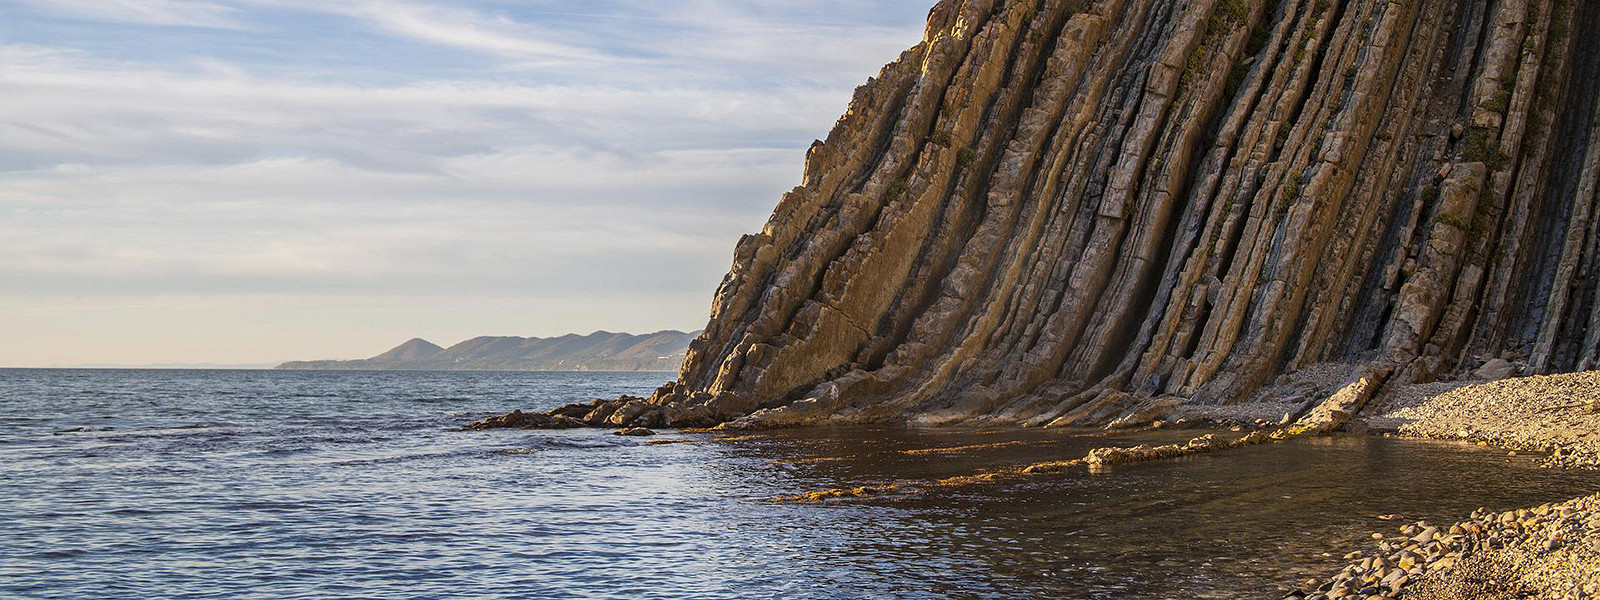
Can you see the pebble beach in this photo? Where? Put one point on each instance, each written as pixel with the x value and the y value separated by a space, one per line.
pixel 1555 415
pixel 1551 551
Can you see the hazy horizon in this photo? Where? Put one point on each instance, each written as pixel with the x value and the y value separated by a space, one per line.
pixel 269 364
pixel 250 181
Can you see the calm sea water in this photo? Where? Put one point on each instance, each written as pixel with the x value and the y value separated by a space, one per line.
pixel 262 484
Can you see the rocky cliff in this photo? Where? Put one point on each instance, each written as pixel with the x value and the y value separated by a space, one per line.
pixel 1058 212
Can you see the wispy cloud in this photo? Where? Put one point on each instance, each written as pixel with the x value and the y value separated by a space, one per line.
pixel 185 13
pixel 471 154
pixel 461 28
pixel 319 187
pixel 61 108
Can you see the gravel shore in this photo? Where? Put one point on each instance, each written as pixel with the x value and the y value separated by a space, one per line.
pixel 1551 551
pixel 1557 415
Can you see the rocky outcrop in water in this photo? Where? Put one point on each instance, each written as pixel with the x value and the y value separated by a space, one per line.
pixel 517 419
pixel 1054 212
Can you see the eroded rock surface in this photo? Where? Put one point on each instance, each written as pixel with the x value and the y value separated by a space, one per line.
pixel 1059 212
pixel 522 420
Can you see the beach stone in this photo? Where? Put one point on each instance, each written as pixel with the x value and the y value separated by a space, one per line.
pixel 1495 369
pixel 517 419
pixel 1427 535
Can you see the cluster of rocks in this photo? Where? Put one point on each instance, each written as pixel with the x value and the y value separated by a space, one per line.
pixel 830 494
pixel 1332 413
pixel 517 419
pixel 1551 551
pixel 1556 415
pixel 1109 456
pixel 1097 459
pixel 1221 423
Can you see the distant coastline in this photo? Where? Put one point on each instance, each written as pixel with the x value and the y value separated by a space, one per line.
pixel 598 351
pixel 159 366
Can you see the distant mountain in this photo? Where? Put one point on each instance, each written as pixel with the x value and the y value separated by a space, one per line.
pixel 598 351
pixel 416 349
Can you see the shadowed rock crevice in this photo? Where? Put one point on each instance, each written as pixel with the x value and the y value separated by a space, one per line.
pixel 1074 212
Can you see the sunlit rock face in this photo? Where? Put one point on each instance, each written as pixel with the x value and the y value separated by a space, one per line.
pixel 1053 212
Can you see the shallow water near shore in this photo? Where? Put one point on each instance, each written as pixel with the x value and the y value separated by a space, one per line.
pixel 262 484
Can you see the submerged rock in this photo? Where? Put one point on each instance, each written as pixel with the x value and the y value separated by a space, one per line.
pixel 634 431
pixel 517 419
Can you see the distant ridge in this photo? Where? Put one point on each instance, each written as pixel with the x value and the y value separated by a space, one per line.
pixel 415 349
pixel 598 351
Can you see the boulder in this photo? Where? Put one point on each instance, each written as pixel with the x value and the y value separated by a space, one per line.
pixel 517 419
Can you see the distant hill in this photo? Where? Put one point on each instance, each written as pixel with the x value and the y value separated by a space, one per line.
pixel 598 351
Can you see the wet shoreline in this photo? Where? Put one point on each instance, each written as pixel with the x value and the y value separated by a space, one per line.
pixel 1549 550
pixel 1005 471
pixel 1545 551
pixel 364 483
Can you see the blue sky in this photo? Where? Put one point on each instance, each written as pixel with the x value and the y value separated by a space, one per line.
pixel 244 181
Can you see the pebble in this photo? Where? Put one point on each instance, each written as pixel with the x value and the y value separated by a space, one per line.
pixel 1435 554
pixel 1548 416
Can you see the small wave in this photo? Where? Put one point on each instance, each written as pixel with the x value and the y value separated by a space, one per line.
pixel 62 553
pixel 187 429
pixel 84 430
pixel 133 512
pixel 607 442
pixel 196 426
pixel 267 505
pixel 399 458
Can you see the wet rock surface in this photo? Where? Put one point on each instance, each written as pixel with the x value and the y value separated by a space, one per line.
pixel 523 420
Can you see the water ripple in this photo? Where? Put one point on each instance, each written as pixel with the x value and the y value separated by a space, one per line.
pixel 235 484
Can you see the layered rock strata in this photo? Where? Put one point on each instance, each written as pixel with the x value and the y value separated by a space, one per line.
pixel 1059 212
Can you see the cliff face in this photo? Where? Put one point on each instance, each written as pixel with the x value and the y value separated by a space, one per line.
pixel 1063 212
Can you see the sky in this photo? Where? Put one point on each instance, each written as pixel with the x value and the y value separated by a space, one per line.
pixel 251 181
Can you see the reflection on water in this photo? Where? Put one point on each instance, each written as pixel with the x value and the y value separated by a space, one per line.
pixel 345 485
pixel 1244 523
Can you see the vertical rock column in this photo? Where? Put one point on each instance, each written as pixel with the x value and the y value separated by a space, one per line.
pixel 1057 212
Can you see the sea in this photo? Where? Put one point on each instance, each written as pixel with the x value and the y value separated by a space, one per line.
pixel 318 485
